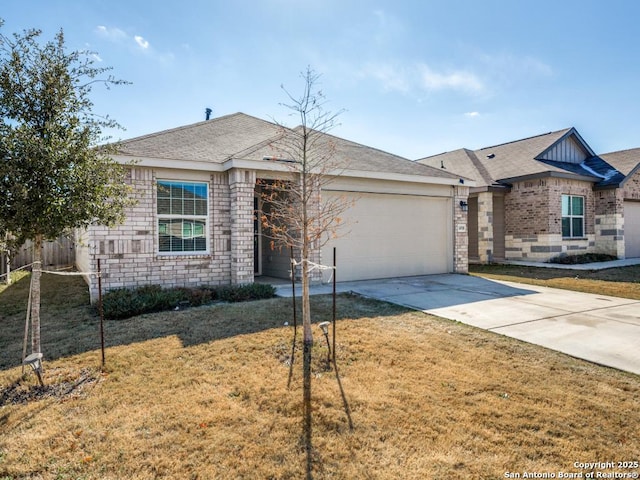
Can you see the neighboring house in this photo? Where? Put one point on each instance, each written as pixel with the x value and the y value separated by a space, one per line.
pixel 627 162
pixel 547 195
pixel 198 190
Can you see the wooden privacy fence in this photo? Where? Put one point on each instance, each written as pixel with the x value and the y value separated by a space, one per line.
pixel 55 254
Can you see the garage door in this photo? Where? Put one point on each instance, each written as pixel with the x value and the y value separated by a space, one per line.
pixel 632 229
pixel 389 235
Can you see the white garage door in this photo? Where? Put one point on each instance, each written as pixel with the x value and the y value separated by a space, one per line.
pixel 389 235
pixel 632 229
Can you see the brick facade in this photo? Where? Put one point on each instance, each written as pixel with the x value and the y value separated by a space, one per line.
pixel 242 184
pixel 485 227
pixel 461 233
pixel 631 190
pixel 130 257
pixel 129 253
pixel 533 219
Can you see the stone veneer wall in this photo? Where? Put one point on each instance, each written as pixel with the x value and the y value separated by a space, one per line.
pixel 461 231
pixel 533 219
pixel 609 222
pixel 485 227
pixel 129 253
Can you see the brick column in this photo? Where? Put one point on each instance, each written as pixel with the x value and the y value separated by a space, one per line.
pixel 242 185
pixel 485 227
pixel 609 222
pixel 461 231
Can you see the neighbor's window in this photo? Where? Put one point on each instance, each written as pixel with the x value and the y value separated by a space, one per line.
pixel 572 216
pixel 182 216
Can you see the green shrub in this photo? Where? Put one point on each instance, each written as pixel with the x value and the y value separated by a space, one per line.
pixel 582 258
pixel 128 302
pixel 243 293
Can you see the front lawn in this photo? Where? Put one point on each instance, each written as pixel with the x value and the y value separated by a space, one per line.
pixel 617 282
pixel 202 393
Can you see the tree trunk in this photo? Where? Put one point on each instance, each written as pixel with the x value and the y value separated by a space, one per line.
pixel 306 357
pixel 36 272
pixel 8 259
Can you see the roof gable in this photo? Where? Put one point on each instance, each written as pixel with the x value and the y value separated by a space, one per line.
pixel 570 148
pixel 560 153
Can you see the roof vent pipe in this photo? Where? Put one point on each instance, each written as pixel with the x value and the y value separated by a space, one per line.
pixel 207 113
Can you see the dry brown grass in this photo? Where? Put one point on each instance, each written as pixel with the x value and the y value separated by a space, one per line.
pixel 202 394
pixel 616 282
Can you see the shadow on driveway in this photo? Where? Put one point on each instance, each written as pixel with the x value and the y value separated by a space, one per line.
pixel 598 328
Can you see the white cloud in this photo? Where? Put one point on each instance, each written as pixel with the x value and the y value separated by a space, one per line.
pixel 511 69
pixel 472 114
pixel 456 80
pixel 391 77
pixel 142 43
pixel 112 33
pixel 416 77
pixel 115 34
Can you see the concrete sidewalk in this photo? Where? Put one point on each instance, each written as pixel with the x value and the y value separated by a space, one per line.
pixel 597 328
pixel 627 262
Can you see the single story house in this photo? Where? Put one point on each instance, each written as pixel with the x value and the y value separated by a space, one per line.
pixel 195 222
pixel 548 195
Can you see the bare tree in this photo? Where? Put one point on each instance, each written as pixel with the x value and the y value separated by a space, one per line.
pixel 298 216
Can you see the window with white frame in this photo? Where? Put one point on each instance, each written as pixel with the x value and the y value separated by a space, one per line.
pixel 182 211
pixel 572 216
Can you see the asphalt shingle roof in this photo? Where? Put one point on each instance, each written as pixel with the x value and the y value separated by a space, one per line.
pixel 214 140
pixel 491 165
pixel 624 160
pixel 242 136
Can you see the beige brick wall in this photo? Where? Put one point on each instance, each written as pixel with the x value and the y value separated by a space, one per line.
pixel 461 231
pixel 242 184
pixel 129 253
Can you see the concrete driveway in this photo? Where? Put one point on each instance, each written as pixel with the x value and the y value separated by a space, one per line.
pixel 597 328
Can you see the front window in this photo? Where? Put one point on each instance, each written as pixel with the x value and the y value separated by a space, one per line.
pixel 182 209
pixel 572 216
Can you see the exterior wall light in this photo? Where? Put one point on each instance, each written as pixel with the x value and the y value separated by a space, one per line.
pixel 464 206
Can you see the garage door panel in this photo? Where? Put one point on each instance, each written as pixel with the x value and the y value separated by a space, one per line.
pixel 394 235
pixel 632 229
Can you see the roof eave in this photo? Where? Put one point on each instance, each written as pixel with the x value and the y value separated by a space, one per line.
pixel 281 167
pixel 536 176
pixel 491 188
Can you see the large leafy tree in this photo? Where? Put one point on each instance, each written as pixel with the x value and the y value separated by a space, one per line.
pixel 53 176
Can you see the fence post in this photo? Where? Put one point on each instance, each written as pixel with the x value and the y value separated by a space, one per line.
pixel 101 310
pixel 8 265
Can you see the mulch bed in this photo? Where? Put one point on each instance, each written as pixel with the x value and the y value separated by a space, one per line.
pixel 65 385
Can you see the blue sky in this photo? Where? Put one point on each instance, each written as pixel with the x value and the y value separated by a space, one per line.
pixel 416 78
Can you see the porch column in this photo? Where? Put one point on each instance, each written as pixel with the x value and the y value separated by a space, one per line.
pixel 485 227
pixel 242 185
pixel 461 231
